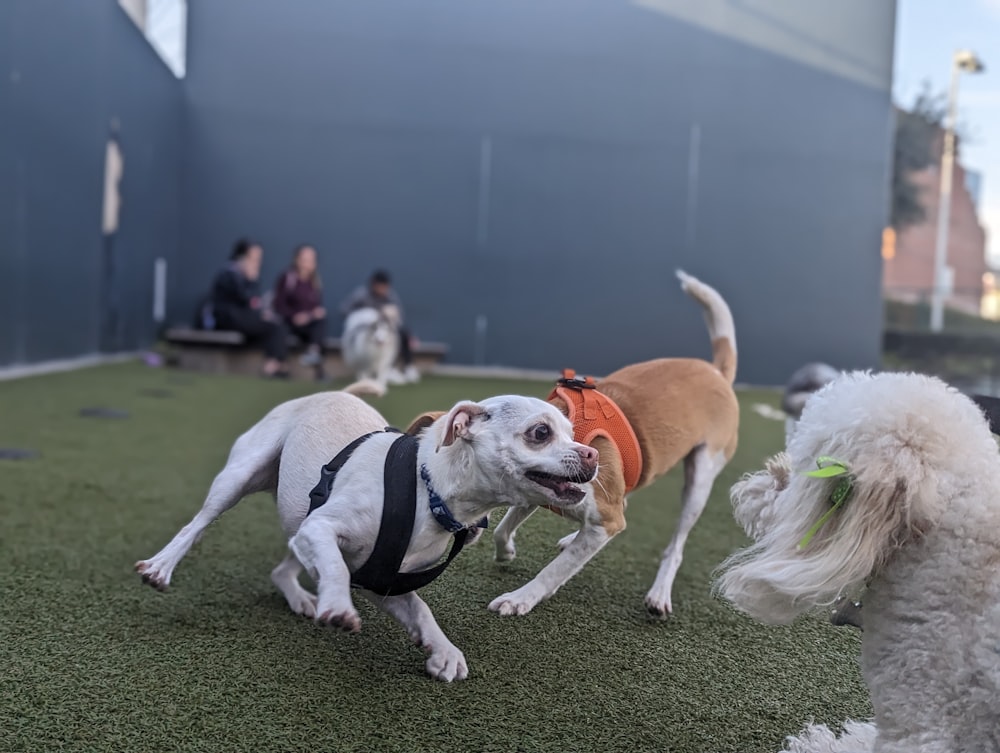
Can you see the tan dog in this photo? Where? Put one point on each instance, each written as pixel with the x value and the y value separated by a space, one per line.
pixel 680 409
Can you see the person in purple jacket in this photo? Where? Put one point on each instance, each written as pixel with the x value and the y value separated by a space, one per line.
pixel 298 299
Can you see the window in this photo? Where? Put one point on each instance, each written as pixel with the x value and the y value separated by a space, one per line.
pixel 164 24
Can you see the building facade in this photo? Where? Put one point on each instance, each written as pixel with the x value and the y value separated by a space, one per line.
pixel 908 256
pixel 531 172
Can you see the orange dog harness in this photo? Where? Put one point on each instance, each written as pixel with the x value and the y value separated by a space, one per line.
pixel 594 414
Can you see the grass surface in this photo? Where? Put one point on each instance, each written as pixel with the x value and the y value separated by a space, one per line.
pixel 91 660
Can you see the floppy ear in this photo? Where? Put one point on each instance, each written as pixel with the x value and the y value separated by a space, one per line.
pixel 753 496
pixel 459 422
pixel 810 554
pixel 422 421
pixel 883 513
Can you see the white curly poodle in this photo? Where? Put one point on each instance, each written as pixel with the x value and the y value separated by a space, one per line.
pixel 908 509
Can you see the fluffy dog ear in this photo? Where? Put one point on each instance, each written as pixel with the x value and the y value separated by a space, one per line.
pixel 422 421
pixel 754 495
pixel 882 514
pixel 459 422
pixel 807 553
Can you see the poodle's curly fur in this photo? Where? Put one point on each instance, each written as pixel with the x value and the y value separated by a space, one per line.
pixel 920 529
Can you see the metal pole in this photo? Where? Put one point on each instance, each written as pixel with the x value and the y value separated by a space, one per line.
pixel 944 205
pixel 480 345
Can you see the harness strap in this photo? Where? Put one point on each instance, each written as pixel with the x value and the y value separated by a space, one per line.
pixel 380 573
pixel 328 473
pixel 594 414
pixel 399 505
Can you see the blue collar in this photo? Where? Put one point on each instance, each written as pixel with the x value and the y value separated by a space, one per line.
pixel 440 510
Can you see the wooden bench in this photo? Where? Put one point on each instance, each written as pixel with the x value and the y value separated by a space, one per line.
pixel 226 352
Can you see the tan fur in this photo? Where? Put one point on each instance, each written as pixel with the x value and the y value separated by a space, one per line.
pixel 423 421
pixel 674 406
pixel 724 358
pixel 681 409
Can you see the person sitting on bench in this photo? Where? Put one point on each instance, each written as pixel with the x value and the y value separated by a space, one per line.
pixel 298 299
pixel 237 305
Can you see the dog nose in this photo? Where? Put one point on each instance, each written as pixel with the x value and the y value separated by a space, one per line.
pixel 588 455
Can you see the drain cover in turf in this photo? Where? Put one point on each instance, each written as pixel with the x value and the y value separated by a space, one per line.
pixel 16 453
pixel 103 413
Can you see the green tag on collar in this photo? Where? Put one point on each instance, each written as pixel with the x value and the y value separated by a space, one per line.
pixel 828 467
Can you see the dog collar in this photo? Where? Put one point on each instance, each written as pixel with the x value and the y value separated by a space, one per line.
pixel 440 510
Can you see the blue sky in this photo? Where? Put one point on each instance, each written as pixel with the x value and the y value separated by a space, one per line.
pixel 927 34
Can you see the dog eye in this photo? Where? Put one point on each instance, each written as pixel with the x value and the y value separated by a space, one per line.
pixel 540 433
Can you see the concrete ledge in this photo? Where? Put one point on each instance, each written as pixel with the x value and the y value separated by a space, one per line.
pixel 225 352
pixel 495 372
pixel 20 371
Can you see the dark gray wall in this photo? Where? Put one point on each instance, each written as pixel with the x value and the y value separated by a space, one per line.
pixel 68 69
pixel 544 164
pixel 360 128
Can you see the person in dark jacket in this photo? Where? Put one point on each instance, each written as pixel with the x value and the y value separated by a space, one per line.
pixel 298 299
pixel 237 305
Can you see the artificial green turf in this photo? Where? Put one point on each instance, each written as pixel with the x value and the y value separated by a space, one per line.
pixel 92 660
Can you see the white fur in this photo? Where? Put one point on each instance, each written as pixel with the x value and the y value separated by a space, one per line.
pixel 718 317
pixel 857 737
pixel 477 456
pixel 700 470
pixel 921 529
pixel 370 342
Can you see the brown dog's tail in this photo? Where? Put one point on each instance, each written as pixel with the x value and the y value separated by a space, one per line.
pixel 720 323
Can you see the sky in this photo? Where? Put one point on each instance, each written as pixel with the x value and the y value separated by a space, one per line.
pixel 928 32
pixel 165 28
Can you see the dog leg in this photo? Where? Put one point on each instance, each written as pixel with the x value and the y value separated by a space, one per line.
pixel 446 662
pixel 251 467
pixel 588 541
pixel 701 466
pixel 317 547
pixel 503 537
pixel 286 577
pixel 566 540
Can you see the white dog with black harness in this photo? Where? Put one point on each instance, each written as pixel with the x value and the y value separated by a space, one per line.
pixel 388 505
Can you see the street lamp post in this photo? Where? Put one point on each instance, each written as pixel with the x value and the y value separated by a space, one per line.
pixel 968 62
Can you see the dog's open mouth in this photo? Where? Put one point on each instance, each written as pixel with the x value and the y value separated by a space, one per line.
pixel 563 488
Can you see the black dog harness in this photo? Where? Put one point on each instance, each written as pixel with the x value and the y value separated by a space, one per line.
pixel 380 572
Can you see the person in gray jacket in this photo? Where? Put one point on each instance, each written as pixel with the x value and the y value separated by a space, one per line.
pixel 376 294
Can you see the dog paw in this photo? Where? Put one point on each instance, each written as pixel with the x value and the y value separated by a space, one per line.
pixel 152 575
pixel 514 603
pixel 505 550
pixel 658 606
pixel 349 622
pixel 447 664
pixel 304 604
pixel 565 541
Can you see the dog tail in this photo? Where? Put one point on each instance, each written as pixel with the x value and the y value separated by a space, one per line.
pixel 364 387
pixel 720 323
